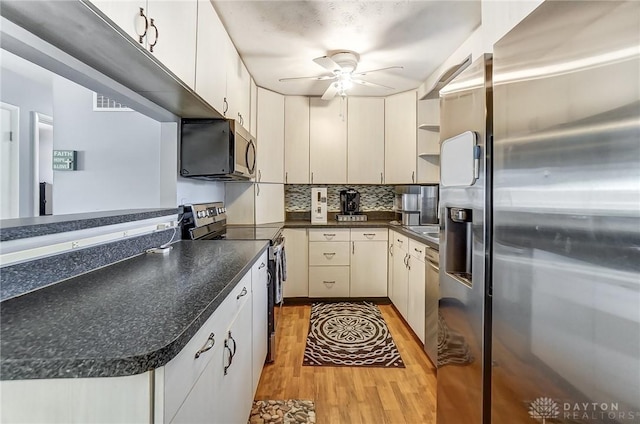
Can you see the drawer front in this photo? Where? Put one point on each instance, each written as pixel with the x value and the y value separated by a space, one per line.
pixel 400 242
pixel 329 253
pixel 329 281
pixel 329 234
pixel 417 250
pixel 369 234
pixel 432 255
pixel 182 372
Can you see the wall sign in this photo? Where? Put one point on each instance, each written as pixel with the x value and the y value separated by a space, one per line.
pixel 65 160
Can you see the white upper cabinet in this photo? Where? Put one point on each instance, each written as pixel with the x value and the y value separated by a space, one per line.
pixel 365 135
pixel 400 138
pixel 296 140
pixel 253 114
pixel 328 141
pixel 166 28
pixel 238 92
pixel 211 66
pixel 270 136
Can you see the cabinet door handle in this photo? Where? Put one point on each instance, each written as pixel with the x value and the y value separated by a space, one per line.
pixel 413 177
pixel 408 260
pixel 353 247
pixel 234 344
pixel 208 345
pixel 262 265
pixel 391 249
pixel 146 25
pixel 329 282
pixel 381 178
pixel 257 189
pixel 259 175
pixel 329 255
pixel 226 346
pixel 312 178
pixel 242 293
pixel 286 177
pixel 155 28
pixel 225 106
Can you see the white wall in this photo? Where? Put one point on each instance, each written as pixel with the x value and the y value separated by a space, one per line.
pixel 45 155
pixel 119 155
pixel 30 95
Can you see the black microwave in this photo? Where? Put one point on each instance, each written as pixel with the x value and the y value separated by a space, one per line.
pixel 216 149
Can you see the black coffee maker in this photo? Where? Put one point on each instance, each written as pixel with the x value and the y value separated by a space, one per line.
pixel 349 202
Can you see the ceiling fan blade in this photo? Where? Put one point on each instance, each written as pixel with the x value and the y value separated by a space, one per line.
pixel 330 92
pixel 369 84
pixel 328 64
pixel 359 74
pixel 318 78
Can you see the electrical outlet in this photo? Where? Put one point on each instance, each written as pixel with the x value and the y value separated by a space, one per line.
pixel 162 227
pixel 75 244
pixel 125 233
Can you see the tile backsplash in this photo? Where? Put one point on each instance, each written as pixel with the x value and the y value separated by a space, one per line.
pixel 297 197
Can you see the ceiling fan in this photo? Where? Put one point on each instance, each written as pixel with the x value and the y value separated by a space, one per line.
pixel 342 66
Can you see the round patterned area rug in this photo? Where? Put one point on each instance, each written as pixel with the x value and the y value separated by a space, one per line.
pixel 349 334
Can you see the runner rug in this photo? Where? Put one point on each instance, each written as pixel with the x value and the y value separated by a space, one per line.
pixel 350 334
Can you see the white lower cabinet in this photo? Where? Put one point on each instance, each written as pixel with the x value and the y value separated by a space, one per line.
pixel 368 262
pixel 259 298
pixel 400 278
pixel 297 250
pixel 416 289
pixel 329 281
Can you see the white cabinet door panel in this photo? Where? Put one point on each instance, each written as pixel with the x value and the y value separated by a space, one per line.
pixel 297 248
pixel 328 141
pixel 365 135
pixel 211 68
pixel 400 138
pixel 270 136
pixel 269 203
pixel 259 279
pixel 368 269
pixel 416 296
pixel 296 140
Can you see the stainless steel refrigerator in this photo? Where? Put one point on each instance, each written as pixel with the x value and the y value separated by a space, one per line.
pixel 552 334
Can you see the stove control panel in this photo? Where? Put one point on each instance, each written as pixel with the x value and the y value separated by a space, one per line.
pixel 208 213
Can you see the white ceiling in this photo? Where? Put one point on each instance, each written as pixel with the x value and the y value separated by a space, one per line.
pixel 280 39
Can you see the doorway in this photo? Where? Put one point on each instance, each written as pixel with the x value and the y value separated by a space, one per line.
pixel 42 130
pixel 9 161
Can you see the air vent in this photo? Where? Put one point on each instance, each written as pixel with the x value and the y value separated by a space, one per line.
pixel 102 103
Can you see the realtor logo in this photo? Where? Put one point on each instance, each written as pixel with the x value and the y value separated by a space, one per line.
pixel 544 408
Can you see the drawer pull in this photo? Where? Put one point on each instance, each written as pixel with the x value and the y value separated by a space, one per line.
pixel 369 235
pixel 329 235
pixel 262 265
pixel 329 255
pixel 242 293
pixel 417 250
pixel 400 241
pixel 208 345
pixel 329 282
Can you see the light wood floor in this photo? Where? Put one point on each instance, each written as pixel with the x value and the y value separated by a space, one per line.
pixel 351 395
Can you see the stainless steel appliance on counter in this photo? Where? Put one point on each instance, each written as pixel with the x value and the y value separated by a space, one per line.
pixel 540 251
pixel 417 205
pixel 216 149
pixel 207 221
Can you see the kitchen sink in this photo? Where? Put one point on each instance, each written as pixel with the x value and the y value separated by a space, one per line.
pixel 429 232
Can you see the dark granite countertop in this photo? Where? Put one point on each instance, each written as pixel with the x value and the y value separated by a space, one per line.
pixel 18 228
pixel 123 319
